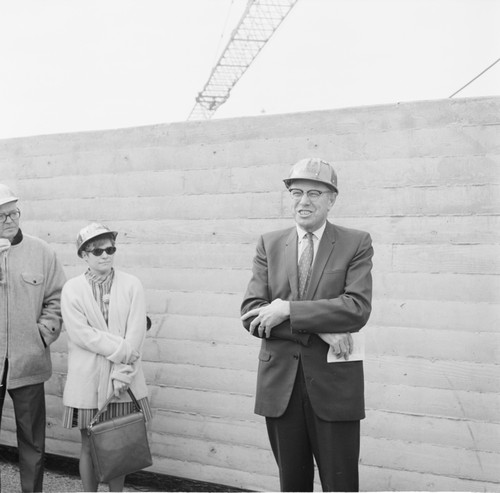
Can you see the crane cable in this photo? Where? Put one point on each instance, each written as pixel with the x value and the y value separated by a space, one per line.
pixel 476 77
pixel 217 51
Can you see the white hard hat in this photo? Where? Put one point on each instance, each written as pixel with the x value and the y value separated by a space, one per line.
pixel 313 169
pixel 6 195
pixel 90 232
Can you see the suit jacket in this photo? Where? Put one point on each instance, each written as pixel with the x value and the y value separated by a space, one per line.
pixel 338 299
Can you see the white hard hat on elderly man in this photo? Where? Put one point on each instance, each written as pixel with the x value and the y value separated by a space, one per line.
pixel 6 195
pixel 313 169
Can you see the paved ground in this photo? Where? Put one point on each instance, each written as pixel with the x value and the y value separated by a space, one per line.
pixel 61 475
pixel 53 482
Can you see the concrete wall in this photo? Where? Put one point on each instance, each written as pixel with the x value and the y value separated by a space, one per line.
pixel 190 200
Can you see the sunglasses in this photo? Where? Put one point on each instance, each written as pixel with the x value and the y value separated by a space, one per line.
pixel 99 251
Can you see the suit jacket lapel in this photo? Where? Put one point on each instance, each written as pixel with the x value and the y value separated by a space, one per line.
pixel 291 249
pixel 325 249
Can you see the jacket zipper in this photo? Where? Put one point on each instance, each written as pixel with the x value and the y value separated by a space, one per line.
pixel 5 288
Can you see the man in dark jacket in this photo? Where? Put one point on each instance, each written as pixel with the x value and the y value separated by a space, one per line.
pixel 310 293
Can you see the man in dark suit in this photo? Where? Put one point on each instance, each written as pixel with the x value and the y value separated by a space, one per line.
pixel 310 290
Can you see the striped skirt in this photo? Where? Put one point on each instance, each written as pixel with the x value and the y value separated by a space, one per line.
pixel 81 418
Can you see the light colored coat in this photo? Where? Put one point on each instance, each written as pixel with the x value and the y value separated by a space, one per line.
pixel 98 353
pixel 30 312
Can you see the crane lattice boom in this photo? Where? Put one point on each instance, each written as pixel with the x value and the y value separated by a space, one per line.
pixel 257 24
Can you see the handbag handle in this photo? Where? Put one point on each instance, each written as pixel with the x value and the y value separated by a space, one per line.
pixel 98 414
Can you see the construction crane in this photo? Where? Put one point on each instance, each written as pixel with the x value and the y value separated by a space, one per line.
pixel 258 23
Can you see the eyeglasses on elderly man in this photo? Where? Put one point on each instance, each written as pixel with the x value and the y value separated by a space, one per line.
pixel 14 216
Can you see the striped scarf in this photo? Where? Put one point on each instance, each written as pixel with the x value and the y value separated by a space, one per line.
pixel 101 287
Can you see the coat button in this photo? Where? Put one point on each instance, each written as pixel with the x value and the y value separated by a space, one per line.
pixel 296 356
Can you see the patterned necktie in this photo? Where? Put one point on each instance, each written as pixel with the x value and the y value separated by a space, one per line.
pixel 305 263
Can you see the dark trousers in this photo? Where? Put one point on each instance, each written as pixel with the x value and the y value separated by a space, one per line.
pixel 29 410
pixel 299 435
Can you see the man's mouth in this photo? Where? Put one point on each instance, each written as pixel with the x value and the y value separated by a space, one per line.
pixel 304 213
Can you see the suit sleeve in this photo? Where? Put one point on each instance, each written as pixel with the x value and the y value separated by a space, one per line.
pixel 257 295
pixel 348 312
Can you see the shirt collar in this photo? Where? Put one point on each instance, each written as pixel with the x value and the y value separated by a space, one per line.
pixel 318 233
pixel 92 276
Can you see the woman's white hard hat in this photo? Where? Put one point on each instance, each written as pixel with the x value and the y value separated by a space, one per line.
pixel 90 232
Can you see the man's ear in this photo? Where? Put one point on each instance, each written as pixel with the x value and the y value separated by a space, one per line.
pixel 333 198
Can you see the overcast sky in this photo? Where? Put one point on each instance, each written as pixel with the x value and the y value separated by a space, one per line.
pixel 76 65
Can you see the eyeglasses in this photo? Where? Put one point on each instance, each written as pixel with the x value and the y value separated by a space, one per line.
pixel 99 251
pixel 14 216
pixel 313 195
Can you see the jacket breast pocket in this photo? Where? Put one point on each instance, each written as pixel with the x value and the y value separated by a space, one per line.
pixel 33 279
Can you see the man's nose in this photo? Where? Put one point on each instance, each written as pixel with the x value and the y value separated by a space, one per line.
pixel 304 199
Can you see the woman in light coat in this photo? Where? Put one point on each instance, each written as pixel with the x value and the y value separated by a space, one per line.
pixel 104 313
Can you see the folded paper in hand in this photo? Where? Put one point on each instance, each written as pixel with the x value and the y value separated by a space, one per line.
pixel 358 353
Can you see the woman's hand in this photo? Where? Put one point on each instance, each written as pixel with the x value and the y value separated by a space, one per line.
pixel 119 387
pixel 132 357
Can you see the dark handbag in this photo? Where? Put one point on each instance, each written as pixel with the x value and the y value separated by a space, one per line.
pixel 119 446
